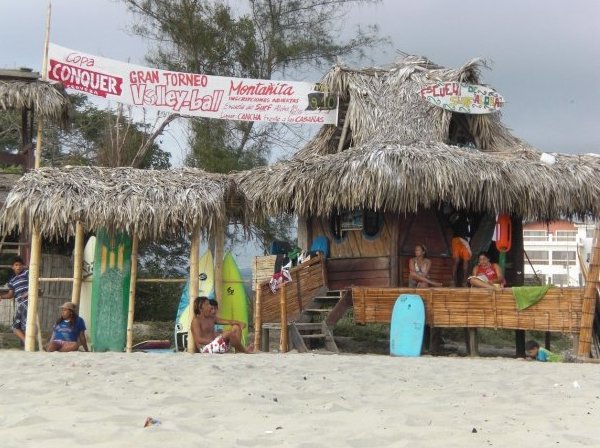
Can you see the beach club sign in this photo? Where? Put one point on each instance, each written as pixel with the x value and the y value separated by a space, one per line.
pixel 193 94
pixel 462 97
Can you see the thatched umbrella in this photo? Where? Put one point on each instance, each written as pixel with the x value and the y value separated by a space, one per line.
pixel 404 178
pixel 48 100
pixel 149 202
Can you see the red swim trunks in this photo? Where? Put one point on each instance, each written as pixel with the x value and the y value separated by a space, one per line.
pixel 218 345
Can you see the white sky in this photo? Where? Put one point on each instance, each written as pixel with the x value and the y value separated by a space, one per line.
pixel 545 54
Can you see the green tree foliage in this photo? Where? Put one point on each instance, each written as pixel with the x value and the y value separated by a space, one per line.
pixel 263 39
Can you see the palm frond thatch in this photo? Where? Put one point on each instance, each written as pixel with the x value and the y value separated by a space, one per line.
pixel 48 100
pixel 153 203
pixel 383 105
pixel 404 178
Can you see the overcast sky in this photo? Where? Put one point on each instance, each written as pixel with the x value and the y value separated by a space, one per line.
pixel 545 55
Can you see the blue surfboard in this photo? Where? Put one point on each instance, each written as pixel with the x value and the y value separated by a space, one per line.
pixel 407 326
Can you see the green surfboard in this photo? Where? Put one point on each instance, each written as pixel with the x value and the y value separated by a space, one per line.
pixel 234 300
pixel 110 291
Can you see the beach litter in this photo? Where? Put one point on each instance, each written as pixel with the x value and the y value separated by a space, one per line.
pixel 151 422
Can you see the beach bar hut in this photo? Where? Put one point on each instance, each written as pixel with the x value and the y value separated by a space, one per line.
pixel 145 204
pixel 382 180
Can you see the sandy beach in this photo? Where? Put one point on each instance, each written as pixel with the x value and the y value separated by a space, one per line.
pixel 299 400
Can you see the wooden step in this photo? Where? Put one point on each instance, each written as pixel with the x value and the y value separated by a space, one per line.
pixel 308 326
pixel 336 292
pixel 313 336
pixel 329 299
pixel 317 310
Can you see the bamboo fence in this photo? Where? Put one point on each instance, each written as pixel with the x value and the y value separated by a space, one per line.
pixel 560 310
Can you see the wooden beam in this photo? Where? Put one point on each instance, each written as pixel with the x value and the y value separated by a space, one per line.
pixel 132 278
pixel 219 255
pixel 257 317
pixel 77 264
pixel 589 298
pixel 394 272
pixel 194 279
pixel 283 338
pixel 34 288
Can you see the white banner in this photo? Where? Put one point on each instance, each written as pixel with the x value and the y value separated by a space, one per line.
pixel 193 94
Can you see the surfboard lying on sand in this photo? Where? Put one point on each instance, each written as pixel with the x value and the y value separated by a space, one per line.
pixel 110 291
pixel 234 300
pixel 162 345
pixel 185 311
pixel 407 326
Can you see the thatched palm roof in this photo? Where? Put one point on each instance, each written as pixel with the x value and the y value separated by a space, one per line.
pixel 48 100
pixel 151 202
pixel 383 105
pixel 405 178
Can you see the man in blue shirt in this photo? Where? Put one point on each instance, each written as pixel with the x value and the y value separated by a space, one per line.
pixel 18 287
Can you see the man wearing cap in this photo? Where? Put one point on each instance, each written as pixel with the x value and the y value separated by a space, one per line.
pixel 68 332
pixel 18 287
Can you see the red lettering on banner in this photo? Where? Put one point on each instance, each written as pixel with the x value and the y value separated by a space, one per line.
pixel 176 99
pixel 89 81
pixel 142 77
pixel 259 88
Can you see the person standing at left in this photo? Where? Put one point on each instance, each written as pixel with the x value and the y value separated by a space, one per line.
pixel 18 287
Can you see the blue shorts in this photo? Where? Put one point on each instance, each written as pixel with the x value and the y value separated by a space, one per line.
pixel 20 319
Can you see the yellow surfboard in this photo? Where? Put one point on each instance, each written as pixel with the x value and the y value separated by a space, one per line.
pixel 234 301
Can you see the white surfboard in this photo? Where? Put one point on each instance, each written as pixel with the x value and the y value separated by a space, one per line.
pixel 85 300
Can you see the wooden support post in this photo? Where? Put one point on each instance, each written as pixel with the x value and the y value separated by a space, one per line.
pixel 283 339
pixel 219 255
pixel 473 343
pixel 324 269
pixel 194 279
pixel 303 241
pixel 34 289
pixel 132 281
pixel 77 264
pixel 394 273
pixel 547 340
pixel 257 316
pixel 520 343
pixel 589 299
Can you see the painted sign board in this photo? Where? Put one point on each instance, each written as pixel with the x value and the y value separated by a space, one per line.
pixel 462 97
pixel 192 94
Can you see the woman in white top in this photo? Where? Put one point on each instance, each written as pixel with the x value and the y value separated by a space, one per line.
pixel 419 269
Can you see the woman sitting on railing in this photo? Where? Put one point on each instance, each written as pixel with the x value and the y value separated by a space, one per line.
pixel 486 274
pixel 419 267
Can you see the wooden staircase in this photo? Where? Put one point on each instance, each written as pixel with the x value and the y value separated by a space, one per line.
pixel 312 328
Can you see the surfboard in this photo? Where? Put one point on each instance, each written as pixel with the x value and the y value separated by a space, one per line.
pixel 185 311
pixel 462 97
pixel 110 291
pixel 85 298
pixel 407 326
pixel 153 344
pixel 234 300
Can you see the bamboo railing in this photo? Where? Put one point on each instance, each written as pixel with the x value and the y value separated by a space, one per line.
pixel 560 310
pixel 286 304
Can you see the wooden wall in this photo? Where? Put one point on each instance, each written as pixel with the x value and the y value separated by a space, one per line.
pixel 383 261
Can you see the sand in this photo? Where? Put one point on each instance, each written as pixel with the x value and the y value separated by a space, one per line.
pixel 296 400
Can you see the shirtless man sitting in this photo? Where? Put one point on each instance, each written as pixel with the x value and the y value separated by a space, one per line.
pixel 207 340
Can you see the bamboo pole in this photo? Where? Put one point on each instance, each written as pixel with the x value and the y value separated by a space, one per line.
pixel 77 264
pixel 194 279
pixel 589 298
pixel 38 142
pixel 258 317
pixel 132 279
pixel 283 338
pixel 219 255
pixel 34 289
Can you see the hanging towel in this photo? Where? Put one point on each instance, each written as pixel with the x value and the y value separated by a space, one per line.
pixel 526 296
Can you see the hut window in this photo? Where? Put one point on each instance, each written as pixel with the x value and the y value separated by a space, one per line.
pixel 335 227
pixel 372 223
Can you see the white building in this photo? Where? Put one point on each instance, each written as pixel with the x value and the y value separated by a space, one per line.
pixel 553 252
